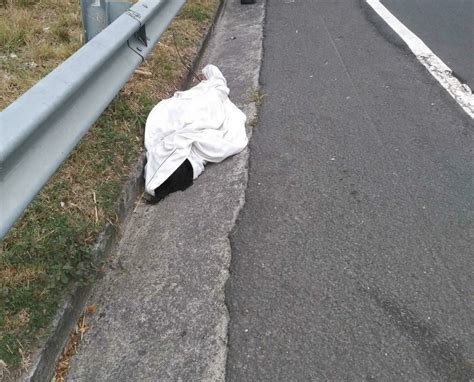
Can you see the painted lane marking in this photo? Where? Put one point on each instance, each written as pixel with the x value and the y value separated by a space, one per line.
pixel 438 69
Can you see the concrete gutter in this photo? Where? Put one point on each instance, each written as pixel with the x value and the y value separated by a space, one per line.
pixel 161 312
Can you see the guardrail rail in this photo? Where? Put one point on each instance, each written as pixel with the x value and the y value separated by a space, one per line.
pixel 40 129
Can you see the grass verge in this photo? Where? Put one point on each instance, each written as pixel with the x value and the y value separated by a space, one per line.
pixel 50 246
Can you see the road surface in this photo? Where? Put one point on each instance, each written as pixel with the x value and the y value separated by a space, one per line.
pixel 352 258
pixel 447 27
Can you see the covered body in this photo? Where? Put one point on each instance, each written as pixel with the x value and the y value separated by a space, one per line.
pixel 200 124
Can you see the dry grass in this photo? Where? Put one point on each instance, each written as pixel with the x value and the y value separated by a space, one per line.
pixel 12 277
pixel 35 36
pixel 75 338
pixel 50 245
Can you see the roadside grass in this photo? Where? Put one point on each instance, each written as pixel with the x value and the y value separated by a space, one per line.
pixel 35 36
pixel 50 246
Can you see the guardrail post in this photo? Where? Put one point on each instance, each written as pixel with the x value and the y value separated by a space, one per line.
pixel 98 14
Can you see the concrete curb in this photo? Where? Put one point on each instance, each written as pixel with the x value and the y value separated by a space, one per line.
pixel 46 355
pixel 161 310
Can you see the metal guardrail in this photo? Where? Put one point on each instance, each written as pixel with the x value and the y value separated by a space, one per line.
pixel 40 129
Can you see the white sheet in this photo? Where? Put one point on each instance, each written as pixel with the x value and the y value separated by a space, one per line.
pixel 200 124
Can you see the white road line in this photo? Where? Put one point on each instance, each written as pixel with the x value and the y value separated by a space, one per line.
pixel 460 92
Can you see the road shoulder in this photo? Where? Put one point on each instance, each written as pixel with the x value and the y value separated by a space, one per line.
pixel 160 305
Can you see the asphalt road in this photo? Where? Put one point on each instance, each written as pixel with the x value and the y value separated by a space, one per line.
pixel 446 26
pixel 352 258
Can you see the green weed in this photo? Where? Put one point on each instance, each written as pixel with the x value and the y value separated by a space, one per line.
pixel 197 11
pixel 257 96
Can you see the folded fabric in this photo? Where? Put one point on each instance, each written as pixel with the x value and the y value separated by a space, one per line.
pixel 200 124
